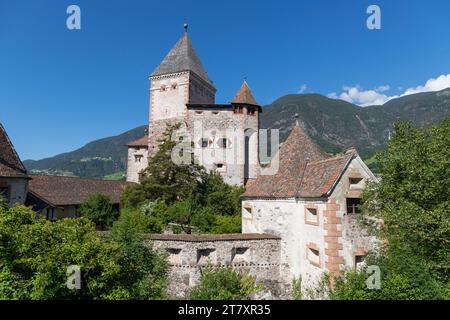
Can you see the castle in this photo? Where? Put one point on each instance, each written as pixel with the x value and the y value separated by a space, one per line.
pixel 225 136
pixel 297 221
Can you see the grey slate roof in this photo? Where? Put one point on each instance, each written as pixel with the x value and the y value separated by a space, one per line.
pixel 182 57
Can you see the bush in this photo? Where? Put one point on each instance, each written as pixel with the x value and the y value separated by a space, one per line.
pixel 227 224
pixel 35 254
pixel 99 209
pixel 224 284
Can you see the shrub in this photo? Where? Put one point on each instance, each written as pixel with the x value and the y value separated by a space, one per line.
pixel 224 284
pixel 99 209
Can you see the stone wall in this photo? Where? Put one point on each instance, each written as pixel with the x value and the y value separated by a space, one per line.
pixel 258 254
pixel 216 124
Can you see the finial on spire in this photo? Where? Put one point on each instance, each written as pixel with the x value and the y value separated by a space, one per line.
pixel 185 26
pixel 296 119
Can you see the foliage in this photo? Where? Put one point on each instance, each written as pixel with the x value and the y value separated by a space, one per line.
pixel 35 254
pixel 413 197
pixel 99 209
pixel 193 197
pixel 222 198
pixel 164 179
pixel 405 279
pixel 411 205
pixel 227 224
pixel 224 284
pixel 138 261
pixel 297 288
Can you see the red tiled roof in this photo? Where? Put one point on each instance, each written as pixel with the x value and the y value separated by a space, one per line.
pixel 10 164
pixel 141 142
pixel 304 170
pixel 244 96
pixel 61 190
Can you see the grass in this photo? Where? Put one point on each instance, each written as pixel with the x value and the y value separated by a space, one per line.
pixel 118 176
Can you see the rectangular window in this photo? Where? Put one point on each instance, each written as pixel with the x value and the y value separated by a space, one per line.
pixel 223 142
pixel 240 255
pixel 205 256
pixel 311 215
pixel 353 205
pixel 359 262
pixel 138 158
pixel 204 143
pixel 313 255
pixel 174 256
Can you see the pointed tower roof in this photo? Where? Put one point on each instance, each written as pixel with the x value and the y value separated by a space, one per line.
pixel 296 155
pixel 182 57
pixel 244 96
pixel 10 164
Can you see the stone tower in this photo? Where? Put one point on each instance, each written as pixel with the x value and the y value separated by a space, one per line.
pixel 180 79
pixel 224 136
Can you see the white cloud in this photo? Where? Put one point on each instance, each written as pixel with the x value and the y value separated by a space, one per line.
pixel 440 83
pixel 364 98
pixel 383 88
pixel 302 88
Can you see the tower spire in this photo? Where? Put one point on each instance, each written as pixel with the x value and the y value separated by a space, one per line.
pixel 185 26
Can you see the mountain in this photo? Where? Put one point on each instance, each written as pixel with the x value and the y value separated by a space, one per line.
pixel 337 124
pixel 333 124
pixel 97 159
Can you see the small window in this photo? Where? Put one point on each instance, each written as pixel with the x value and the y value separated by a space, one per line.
pixel 311 216
pixel 313 256
pixel 247 212
pixel 174 86
pixel 163 88
pixel 354 181
pixel 204 142
pixel 219 165
pixel 359 262
pixel 251 111
pixel 198 111
pixel 240 255
pixel 215 112
pixel 223 143
pixel 138 157
pixel 238 109
pixel 174 256
pixel 205 256
pixel 353 205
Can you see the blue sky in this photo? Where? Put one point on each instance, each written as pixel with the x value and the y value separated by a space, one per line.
pixel 60 89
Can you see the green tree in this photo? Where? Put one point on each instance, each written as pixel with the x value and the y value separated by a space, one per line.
pixel 193 196
pixel 227 224
pixel 164 179
pixel 35 254
pixel 222 198
pixel 99 209
pixel 224 284
pixel 413 197
pixel 409 209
